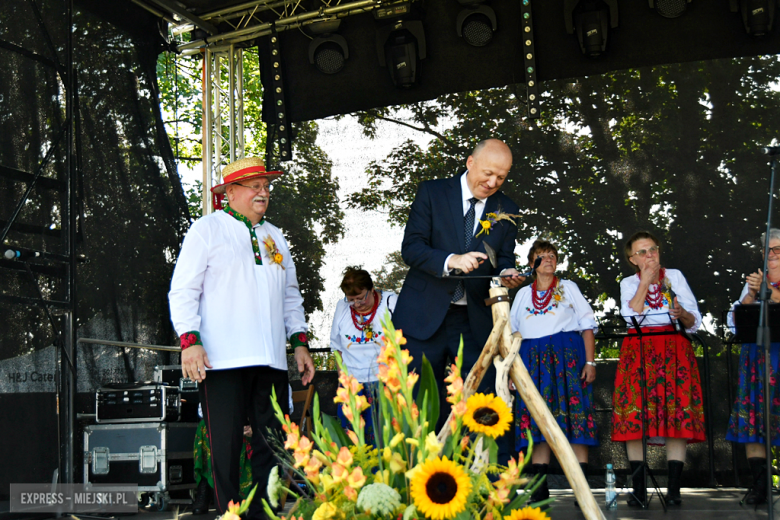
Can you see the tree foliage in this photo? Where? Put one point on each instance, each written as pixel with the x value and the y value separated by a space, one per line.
pixel 391 276
pixel 674 149
pixel 304 202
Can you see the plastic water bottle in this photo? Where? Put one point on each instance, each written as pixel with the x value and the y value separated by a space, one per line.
pixel 610 491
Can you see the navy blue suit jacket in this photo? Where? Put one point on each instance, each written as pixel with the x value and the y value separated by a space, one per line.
pixel 433 232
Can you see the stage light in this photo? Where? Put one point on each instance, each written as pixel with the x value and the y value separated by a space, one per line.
pixel 477 23
pixel 669 8
pixel 529 61
pixel 400 43
pixel 757 15
pixel 591 19
pixel 328 51
pixel 280 125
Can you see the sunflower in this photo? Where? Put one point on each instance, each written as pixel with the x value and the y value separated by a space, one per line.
pixel 487 414
pixel 527 513
pixel 440 488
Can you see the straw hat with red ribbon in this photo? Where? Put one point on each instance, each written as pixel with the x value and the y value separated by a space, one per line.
pixel 241 170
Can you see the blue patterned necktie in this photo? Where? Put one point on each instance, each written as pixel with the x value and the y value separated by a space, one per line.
pixel 468 232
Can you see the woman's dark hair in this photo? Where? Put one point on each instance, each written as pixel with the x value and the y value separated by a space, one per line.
pixel 542 246
pixel 639 235
pixel 355 280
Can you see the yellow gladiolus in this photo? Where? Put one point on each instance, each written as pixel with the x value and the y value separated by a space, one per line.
pixel 326 511
pixel 345 457
pixel 356 479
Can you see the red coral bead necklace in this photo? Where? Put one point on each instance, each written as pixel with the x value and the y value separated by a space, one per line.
pixel 541 303
pixel 369 316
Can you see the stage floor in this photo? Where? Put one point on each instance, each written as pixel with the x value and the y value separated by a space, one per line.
pixel 698 504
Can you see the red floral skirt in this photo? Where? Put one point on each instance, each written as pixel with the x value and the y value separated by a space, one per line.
pixel 674 399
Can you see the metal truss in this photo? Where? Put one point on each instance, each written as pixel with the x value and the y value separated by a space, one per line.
pixel 223 115
pixel 255 19
pixel 223 109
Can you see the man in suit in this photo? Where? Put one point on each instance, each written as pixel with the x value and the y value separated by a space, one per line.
pixel 440 238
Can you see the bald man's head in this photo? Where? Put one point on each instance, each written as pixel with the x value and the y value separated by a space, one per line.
pixel 488 167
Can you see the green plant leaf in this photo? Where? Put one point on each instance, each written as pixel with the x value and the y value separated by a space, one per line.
pixel 429 386
pixel 490 444
pixel 337 433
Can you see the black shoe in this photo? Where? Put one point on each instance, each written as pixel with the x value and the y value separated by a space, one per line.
pixel 757 494
pixel 584 467
pixel 542 492
pixel 673 497
pixel 200 506
pixel 639 498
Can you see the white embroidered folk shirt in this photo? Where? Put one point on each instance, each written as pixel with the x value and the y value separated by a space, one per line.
pixel 570 313
pixel 658 317
pixel 244 312
pixel 359 348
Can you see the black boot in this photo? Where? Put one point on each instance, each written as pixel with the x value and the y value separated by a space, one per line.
pixel 542 492
pixel 584 468
pixel 673 497
pixel 200 506
pixel 640 488
pixel 757 494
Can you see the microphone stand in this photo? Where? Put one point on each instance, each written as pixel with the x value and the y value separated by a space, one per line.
pixel 764 341
pixel 645 469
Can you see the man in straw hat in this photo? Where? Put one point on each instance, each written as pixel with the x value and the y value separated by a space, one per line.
pixel 235 302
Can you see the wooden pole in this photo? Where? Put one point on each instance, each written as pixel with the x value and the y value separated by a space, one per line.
pixel 472 381
pixel 544 419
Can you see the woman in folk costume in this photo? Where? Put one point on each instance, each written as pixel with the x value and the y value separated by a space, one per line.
pixel 557 327
pixel 746 425
pixel 675 417
pixel 356 336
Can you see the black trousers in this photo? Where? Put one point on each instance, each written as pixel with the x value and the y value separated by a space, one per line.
pixel 230 397
pixel 442 348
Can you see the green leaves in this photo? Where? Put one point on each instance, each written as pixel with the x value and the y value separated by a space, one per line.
pixel 428 393
pixel 337 433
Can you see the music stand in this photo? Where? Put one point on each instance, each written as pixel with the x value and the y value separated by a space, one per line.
pixel 747 318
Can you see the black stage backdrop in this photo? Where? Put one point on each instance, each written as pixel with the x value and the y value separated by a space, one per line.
pixel 134 216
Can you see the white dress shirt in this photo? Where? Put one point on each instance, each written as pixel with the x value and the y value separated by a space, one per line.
pixel 659 317
pixel 479 208
pixel 358 352
pixel 243 311
pixel 572 313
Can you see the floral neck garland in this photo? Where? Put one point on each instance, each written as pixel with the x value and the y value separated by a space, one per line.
pixel 365 325
pixel 655 293
pixel 255 245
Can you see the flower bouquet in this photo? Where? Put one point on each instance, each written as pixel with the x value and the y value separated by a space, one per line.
pixel 413 474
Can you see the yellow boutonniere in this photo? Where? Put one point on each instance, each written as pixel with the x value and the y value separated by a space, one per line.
pixel 494 218
pixel 273 252
pixel 666 289
pixel 558 291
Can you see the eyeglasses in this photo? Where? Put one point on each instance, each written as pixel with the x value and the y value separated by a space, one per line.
pixel 257 188
pixel 775 250
pixel 359 302
pixel 643 252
